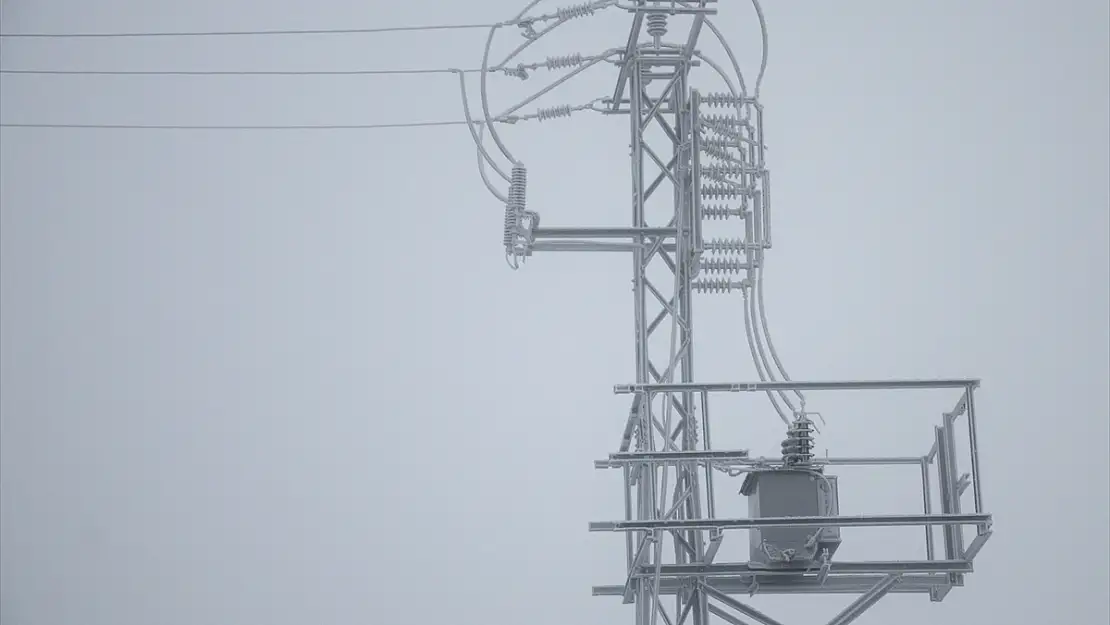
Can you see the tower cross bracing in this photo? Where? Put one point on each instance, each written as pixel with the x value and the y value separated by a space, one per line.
pixel 698 169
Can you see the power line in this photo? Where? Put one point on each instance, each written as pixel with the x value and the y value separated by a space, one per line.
pixel 239 127
pixel 353 72
pixel 242 33
pixel 518 71
pixel 541 114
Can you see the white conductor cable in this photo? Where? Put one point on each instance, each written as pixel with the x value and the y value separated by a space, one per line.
pixel 754 308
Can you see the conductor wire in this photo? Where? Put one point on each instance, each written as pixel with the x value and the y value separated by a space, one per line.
pixel 242 33
pixel 563 79
pixel 754 310
pixel 755 358
pixel 352 72
pixel 758 290
pixel 483 155
pixel 770 345
pixel 731 55
pixel 485 72
pixel 561 18
pixel 239 126
pixel 763 35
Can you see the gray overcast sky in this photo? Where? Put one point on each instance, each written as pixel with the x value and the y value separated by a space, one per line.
pixel 285 377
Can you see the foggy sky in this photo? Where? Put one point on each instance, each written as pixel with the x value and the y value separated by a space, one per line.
pixel 286 377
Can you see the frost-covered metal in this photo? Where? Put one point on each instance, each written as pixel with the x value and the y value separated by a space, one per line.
pixel 700 225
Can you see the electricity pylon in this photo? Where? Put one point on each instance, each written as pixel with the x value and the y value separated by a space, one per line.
pixel 698 164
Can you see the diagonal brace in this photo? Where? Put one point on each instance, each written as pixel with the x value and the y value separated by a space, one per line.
pixel 641 553
pixel 742 608
pixel 866 600
pixel 725 616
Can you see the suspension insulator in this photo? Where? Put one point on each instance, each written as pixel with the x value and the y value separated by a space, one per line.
pixel 725 133
pixel 723 246
pixel 720 211
pixel 579 10
pixel 657 24
pixel 723 121
pixel 720 143
pixel 716 285
pixel 720 153
pixel 721 99
pixel 717 191
pixel 724 125
pixel 552 112
pixel 727 170
pixel 517 187
pixel 509 232
pixel 566 60
pixel 514 208
pixel 723 265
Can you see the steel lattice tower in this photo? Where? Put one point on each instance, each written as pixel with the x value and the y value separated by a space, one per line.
pixel 697 163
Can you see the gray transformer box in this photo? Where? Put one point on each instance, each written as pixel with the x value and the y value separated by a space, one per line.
pixel 791 493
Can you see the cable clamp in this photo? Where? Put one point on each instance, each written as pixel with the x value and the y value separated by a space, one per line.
pixel 528 29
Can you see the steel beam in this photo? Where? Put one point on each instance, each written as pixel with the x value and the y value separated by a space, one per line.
pixel 759 387
pixel 602 233
pixel 875 520
pixel 723 457
pixel 809 585
pixel 977 544
pixel 835 568
pixel 628 57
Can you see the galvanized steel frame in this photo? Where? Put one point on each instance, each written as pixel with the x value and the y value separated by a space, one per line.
pixel 664 439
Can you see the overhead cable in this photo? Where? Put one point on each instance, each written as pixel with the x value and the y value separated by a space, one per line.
pixel 521 70
pixel 561 14
pixel 243 33
pixel 351 72
pixel 238 126
pixel 541 114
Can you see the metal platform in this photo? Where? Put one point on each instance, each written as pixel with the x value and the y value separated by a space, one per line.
pixel 947 563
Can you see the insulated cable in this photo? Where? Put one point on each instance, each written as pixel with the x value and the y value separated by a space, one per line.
pixel 755 307
pixel 485 71
pixel 770 345
pixel 763 36
pixel 755 345
pixel 755 358
pixel 752 310
pixel 482 153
